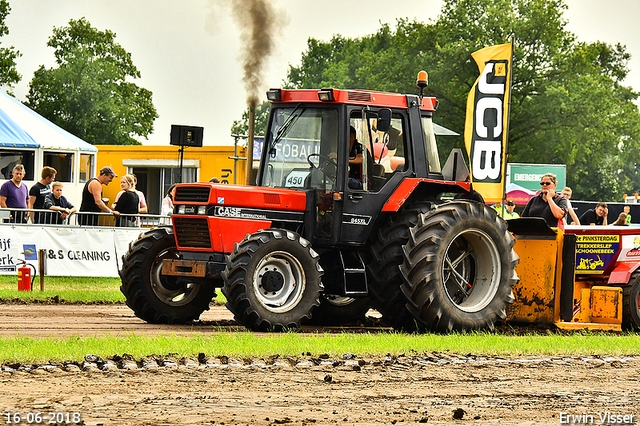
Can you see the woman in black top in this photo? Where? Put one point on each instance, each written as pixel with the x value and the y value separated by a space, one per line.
pixel 128 202
pixel 548 204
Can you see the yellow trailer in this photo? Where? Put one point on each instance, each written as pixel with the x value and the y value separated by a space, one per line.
pixel 579 277
pixel 158 167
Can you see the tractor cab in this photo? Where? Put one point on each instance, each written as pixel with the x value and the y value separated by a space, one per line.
pixel 349 151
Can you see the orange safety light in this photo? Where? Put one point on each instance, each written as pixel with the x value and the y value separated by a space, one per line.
pixel 423 80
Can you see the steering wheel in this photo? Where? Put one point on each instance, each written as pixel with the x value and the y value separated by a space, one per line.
pixel 326 165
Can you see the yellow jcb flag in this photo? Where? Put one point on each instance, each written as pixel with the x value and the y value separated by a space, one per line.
pixel 487 121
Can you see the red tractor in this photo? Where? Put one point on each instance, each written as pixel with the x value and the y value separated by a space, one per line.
pixel 351 210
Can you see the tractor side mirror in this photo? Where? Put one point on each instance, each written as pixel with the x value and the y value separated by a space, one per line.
pixel 384 120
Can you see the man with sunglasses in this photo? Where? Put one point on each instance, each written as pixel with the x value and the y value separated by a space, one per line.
pixel 548 204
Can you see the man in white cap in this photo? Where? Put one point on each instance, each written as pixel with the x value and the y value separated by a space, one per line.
pixel 92 197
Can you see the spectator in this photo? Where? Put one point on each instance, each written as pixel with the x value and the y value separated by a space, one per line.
pixel 143 201
pixel 128 202
pixel 597 216
pixel 627 211
pixel 38 192
pixel 57 202
pixel 547 204
pixel 506 212
pixel 141 197
pixel 497 206
pixel 92 197
pixel 566 193
pixel 510 211
pixel 13 193
pixel 214 180
pixel 167 202
pixel 622 220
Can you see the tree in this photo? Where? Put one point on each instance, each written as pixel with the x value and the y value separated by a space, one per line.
pixel 8 55
pixel 88 93
pixel 569 104
pixel 241 127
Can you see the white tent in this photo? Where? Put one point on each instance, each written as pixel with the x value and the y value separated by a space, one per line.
pixel 27 137
pixel 41 130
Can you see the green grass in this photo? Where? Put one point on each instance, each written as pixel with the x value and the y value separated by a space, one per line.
pixel 247 344
pixel 67 289
pixel 82 290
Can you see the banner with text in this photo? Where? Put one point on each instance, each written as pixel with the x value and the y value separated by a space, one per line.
pixel 487 120
pixel 77 252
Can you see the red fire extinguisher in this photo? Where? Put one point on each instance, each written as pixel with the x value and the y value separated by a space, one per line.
pixel 24 277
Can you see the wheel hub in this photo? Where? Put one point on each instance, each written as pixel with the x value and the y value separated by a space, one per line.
pixel 172 291
pixel 272 281
pixel 471 270
pixel 279 281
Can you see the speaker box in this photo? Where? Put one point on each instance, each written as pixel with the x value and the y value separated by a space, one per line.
pixel 186 135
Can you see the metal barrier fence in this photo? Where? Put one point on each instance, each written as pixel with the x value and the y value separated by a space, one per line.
pixel 27 217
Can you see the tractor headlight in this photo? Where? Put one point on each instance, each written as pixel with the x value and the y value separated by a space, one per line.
pixel 202 210
pixel 181 209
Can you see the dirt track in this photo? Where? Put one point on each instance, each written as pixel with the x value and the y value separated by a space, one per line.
pixel 425 388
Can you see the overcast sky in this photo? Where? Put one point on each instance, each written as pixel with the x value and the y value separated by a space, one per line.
pixel 188 52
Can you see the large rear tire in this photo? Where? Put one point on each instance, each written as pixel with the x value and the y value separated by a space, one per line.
pixel 272 281
pixel 385 278
pixel 631 303
pixel 459 268
pixel 154 297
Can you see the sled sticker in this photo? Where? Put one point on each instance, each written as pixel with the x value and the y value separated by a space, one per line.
pixel 595 252
pixel 630 248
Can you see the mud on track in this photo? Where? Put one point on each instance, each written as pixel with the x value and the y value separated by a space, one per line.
pixel 426 388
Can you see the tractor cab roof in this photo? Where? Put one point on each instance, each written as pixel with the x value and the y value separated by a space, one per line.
pixel 355 97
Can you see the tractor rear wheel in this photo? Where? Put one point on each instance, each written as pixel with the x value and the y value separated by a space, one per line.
pixel 157 298
pixel 459 268
pixel 631 303
pixel 384 267
pixel 272 280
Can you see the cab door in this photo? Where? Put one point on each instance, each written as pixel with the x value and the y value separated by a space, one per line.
pixel 385 163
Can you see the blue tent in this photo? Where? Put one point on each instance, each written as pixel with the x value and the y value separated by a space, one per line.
pixel 12 135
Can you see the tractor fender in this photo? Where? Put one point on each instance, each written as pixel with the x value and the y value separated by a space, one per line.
pixel 409 185
pixel 622 272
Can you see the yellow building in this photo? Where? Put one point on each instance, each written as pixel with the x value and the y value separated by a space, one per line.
pixel 158 167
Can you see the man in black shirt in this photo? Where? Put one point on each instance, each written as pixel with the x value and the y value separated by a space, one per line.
pixel 92 197
pixel 38 192
pixel 597 216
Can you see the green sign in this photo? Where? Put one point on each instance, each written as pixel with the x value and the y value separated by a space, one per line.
pixel 528 175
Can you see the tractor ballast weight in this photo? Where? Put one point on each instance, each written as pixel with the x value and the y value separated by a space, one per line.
pixel 332 228
pixel 578 277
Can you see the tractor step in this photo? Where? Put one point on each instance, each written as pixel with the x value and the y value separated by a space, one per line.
pixel 355 274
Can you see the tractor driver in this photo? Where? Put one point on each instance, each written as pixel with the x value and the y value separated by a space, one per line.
pixel 548 204
pixel 355 161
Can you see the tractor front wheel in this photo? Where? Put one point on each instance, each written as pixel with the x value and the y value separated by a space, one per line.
pixel 272 280
pixel 157 298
